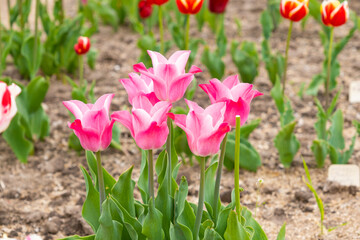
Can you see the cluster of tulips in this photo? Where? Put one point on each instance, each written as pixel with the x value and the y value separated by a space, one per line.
pixel 151 92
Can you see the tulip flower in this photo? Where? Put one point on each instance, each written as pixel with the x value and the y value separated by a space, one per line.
pixel 147 123
pixel 92 124
pixel 158 2
pixel 137 85
pixel 8 107
pixel 82 46
pixel 189 6
pixel 294 10
pixel 145 8
pixel 217 6
pixel 205 129
pixel 236 95
pixel 168 75
pixel 333 13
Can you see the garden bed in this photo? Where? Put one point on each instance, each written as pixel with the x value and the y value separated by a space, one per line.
pixel 45 196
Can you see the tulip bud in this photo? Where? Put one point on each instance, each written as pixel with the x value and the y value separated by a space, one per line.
pixel 189 6
pixel 8 107
pixel 217 6
pixel 158 2
pixel 294 10
pixel 145 9
pixel 333 13
pixel 82 46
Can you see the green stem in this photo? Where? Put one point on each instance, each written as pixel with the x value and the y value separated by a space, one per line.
pixel 287 56
pixel 218 177
pixel 327 84
pixel 19 3
pixel 168 149
pixel 237 167
pixel 187 32
pixel 201 199
pixel 62 14
pixel 100 179
pixel 81 70
pixel 161 27
pixel 9 8
pixel 151 175
pixel 36 31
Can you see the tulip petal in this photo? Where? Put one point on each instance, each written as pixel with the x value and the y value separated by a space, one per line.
pixel 89 138
pixel 216 111
pixel 178 86
pixel 193 106
pixel 180 121
pixel 194 69
pixel 106 135
pixel 142 102
pixel 340 15
pixel 299 12
pixel 233 109
pixel 125 118
pixel 141 120
pixel 211 145
pixel 77 108
pixel 180 58
pixel 159 111
pixel 221 91
pixel 157 58
pixel 152 138
pixel 231 81
pixel 103 102
pixel 210 91
pixel 96 119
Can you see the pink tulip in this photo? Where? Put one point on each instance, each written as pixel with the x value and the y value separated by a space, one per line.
pixel 137 85
pixel 92 124
pixel 168 75
pixel 236 95
pixel 205 129
pixel 8 107
pixel 147 123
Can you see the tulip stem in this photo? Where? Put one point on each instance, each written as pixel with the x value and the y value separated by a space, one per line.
pixel 36 33
pixel 327 84
pixel 201 199
pixel 19 3
pixel 100 179
pixel 81 70
pixel 237 166
pixel 218 177
pixel 187 32
pixel 168 149
pixel 287 56
pixel 151 175
pixel 9 8
pixel 161 28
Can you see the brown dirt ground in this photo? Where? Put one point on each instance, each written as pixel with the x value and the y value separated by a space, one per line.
pixel 45 196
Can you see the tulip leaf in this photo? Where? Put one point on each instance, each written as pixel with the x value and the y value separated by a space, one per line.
pixel 152 226
pixel 123 191
pixel 27 51
pixel 274 64
pixel 282 232
pixel 76 237
pixel 320 125
pixel 210 177
pixel 276 94
pixel 143 183
pixel 234 229
pixel 319 148
pixel 187 217
pixel 109 228
pixel 213 63
pixel 257 232
pixel 336 130
pixel 109 181
pixel 249 157
pixel 36 92
pixel 246 60
pixel 211 234
pixel 287 144
pixel 267 24
pixel 91 207
pixel 15 137
pixel 221 224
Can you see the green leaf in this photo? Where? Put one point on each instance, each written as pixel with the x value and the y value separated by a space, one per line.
pixel 249 157
pixel 276 94
pixel 213 63
pixel 123 191
pixel 246 60
pixel 234 229
pixel 152 227
pixel 252 225
pixel 221 42
pixel 336 130
pixel 15 137
pixel 211 234
pixel 320 125
pixel 27 51
pixel 210 177
pixel 36 92
pixel 91 58
pixel 76 237
pixel 109 228
pixel 107 14
pixel 281 235
pixel 247 129
pixel 91 207
pixel 267 24
pixel 143 184
pixel 319 148
pixel 287 144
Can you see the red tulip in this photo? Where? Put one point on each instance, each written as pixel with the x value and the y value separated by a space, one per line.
pixel 8 107
pixel 145 8
pixel 217 6
pixel 158 2
pixel 82 46
pixel 294 10
pixel 333 13
pixel 189 6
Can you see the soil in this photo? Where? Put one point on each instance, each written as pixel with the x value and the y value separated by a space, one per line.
pixel 45 196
